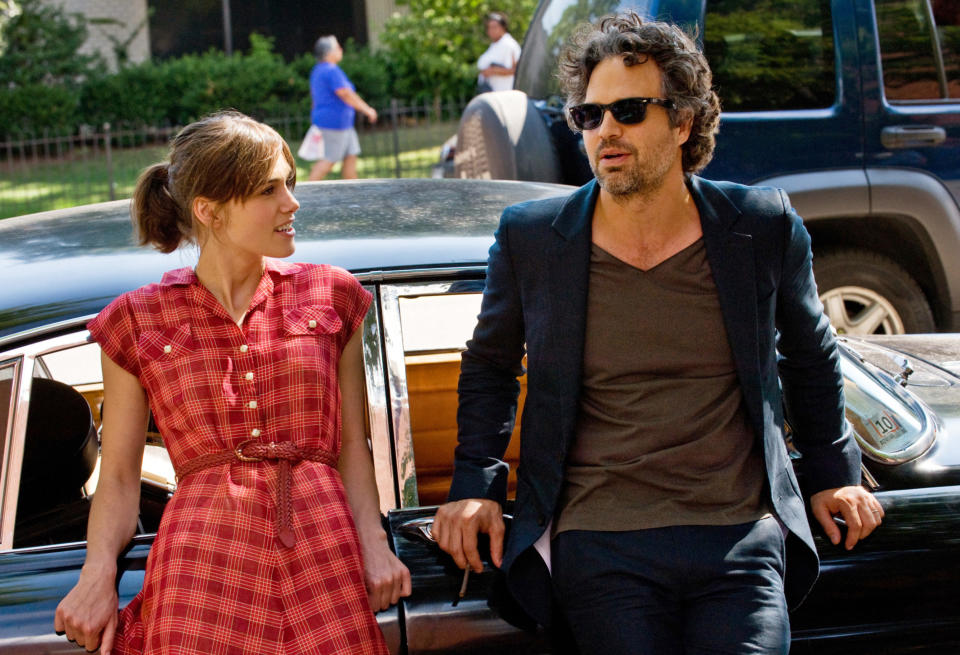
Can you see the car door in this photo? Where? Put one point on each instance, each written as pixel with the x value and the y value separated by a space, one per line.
pixel 787 75
pixel 425 327
pixel 49 392
pixel 913 48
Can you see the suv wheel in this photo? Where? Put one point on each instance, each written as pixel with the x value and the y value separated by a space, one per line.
pixel 866 293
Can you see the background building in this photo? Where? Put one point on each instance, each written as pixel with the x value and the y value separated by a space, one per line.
pixel 168 28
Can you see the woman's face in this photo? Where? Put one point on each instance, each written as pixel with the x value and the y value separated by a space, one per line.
pixel 262 225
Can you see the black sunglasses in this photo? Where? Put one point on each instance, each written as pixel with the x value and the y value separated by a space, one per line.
pixel 627 111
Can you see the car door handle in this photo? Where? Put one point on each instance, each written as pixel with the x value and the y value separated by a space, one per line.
pixel 912 136
pixel 422 528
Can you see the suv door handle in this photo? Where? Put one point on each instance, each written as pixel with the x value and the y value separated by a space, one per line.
pixel 912 136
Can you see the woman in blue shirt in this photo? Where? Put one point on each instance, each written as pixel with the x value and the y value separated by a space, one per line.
pixel 335 103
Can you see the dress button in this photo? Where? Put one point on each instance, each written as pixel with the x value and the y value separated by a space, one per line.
pixel 252 404
pixel 255 432
pixel 167 348
pixel 249 375
pixel 312 324
pixel 244 348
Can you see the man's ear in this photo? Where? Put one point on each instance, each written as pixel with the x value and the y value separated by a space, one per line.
pixel 685 128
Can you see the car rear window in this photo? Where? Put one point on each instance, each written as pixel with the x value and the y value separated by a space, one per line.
pixel 919 48
pixel 771 55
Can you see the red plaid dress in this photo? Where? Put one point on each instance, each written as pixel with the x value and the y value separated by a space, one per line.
pixel 218 580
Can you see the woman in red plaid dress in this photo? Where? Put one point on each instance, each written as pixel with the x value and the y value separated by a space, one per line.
pixel 272 542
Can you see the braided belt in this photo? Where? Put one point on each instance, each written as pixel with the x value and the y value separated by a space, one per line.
pixel 286 453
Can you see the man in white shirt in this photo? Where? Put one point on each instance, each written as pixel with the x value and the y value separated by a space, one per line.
pixel 498 64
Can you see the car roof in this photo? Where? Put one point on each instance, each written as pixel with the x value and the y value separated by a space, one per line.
pixel 68 263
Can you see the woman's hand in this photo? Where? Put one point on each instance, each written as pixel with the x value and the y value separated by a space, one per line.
pixel 88 614
pixel 384 575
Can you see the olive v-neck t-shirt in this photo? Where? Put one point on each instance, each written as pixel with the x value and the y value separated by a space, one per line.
pixel 662 436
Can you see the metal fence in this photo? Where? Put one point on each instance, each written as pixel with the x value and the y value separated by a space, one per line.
pixel 49 171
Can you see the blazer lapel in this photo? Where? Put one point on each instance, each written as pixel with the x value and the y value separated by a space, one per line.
pixel 568 262
pixel 732 264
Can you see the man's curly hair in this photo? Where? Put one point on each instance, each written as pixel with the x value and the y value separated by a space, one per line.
pixel 687 79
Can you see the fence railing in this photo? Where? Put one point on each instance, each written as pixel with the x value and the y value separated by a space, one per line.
pixel 96 163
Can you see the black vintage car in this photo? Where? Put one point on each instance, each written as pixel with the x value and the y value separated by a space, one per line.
pixel 420 246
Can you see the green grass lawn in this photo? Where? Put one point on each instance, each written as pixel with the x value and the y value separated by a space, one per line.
pixel 81 176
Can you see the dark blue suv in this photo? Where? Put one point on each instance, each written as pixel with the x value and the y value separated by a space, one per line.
pixel 851 106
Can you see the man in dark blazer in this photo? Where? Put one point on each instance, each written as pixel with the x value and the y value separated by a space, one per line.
pixel 667 322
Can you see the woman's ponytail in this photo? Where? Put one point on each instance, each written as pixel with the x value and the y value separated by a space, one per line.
pixel 159 219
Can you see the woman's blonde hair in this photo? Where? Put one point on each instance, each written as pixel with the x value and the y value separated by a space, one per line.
pixel 222 157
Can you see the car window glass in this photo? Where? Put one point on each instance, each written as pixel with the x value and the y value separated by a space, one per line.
pixel 61 463
pixel 946 14
pixel 435 331
pixel 771 54
pixel 919 48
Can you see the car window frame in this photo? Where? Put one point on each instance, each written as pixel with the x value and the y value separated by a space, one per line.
pixel 28 355
pixel 399 398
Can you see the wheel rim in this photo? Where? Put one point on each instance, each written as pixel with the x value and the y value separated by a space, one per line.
pixel 861 311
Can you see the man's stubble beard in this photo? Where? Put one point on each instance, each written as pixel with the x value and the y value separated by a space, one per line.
pixel 633 179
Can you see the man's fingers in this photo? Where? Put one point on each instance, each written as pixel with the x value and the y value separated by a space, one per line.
pixel 825 517
pixel 469 537
pixel 496 532
pixel 854 525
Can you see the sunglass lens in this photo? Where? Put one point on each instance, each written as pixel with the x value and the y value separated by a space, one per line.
pixel 586 117
pixel 629 111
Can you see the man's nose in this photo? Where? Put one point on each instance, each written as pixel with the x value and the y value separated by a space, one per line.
pixel 609 125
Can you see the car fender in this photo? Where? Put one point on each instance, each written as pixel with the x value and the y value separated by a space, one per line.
pixel 919 203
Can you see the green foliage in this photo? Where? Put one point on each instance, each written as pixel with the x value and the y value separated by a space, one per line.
pixel 41 46
pixel 429 53
pixel 180 90
pixel 369 71
pixel 38 108
pixel 433 47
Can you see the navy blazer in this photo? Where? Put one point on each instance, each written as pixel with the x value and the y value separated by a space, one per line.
pixel 535 303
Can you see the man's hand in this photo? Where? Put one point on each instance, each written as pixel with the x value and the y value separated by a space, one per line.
pixel 855 505
pixel 457 525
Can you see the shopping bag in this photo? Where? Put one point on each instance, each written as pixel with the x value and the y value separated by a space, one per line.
pixel 312 147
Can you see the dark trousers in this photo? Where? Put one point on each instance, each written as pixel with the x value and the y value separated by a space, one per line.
pixel 684 590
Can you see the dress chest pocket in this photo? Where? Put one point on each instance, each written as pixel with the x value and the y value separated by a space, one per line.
pixel 164 354
pixel 310 336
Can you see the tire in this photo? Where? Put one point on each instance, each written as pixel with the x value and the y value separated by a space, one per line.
pixel 865 293
pixel 502 136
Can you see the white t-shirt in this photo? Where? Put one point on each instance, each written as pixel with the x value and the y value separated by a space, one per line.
pixel 505 52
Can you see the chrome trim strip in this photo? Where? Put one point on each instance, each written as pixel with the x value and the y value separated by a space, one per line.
pixel 378 412
pixel 930 423
pixel 33 333
pixel 425 273
pixel 8 510
pixel 14 461
pixel 397 381
pixel 399 399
